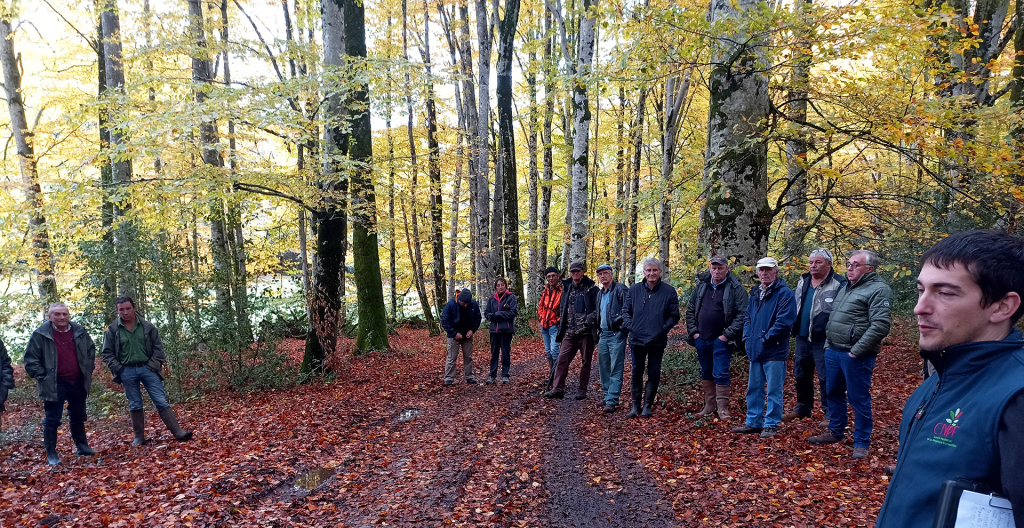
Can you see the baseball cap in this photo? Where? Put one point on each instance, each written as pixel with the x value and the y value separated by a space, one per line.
pixel 718 259
pixel 767 262
pixel 603 267
pixel 576 266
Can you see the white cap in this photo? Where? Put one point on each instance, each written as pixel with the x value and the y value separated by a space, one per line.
pixel 767 262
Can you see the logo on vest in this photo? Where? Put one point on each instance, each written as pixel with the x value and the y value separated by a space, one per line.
pixel 943 432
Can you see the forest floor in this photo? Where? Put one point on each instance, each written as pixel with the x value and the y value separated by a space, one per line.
pixel 384 443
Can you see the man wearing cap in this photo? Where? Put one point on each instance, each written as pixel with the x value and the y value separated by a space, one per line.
pixel 460 320
pixel 548 316
pixel 815 295
pixel 650 311
pixel 611 345
pixel 714 322
pixel 578 330
pixel 853 338
pixel 771 312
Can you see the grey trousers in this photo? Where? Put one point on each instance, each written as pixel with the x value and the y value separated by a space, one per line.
pixel 466 345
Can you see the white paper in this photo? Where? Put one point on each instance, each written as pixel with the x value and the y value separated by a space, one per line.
pixel 983 511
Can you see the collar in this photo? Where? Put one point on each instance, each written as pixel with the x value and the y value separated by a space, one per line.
pixel 965 358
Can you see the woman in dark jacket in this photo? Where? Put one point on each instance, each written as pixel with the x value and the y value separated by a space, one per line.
pixel 502 309
pixel 6 380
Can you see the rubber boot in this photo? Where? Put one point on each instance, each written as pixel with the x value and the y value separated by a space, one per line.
pixel 636 408
pixel 81 442
pixel 50 443
pixel 650 391
pixel 171 421
pixel 708 386
pixel 551 372
pixel 139 427
pixel 722 395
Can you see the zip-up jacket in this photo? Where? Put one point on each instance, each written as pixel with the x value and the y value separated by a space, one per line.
pixel 502 312
pixel 821 303
pixel 734 303
pixel 6 374
pixel 587 303
pixel 112 348
pixel 549 307
pixel 951 430
pixel 41 359
pixel 860 317
pixel 618 292
pixel 450 317
pixel 649 313
pixel 769 321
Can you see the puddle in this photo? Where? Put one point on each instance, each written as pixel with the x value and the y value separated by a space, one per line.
pixel 408 414
pixel 313 479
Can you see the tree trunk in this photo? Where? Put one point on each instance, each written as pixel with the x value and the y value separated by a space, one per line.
pixel 434 175
pixel 581 132
pixel 533 275
pixel 634 193
pixel 477 215
pixel 453 44
pixel 544 213
pixel 796 227
pixel 108 274
pixel 1015 216
pixel 620 188
pixel 569 162
pixel 735 217
pixel 487 264
pixel 392 221
pixel 676 92
pixel 23 139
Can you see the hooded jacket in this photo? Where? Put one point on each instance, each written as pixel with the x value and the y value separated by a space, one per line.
pixel 450 317
pixel 821 303
pixel 649 313
pixel 588 304
pixel 769 321
pixel 112 348
pixel 860 317
pixel 950 428
pixel 734 303
pixel 502 313
pixel 41 359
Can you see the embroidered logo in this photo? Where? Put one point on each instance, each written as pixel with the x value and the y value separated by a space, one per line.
pixel 943 432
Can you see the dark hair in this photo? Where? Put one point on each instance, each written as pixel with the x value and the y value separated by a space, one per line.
pixel 124 299
pixel 993 258
pixel 501 280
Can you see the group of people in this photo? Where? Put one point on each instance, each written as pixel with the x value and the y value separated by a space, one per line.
pixel 61 356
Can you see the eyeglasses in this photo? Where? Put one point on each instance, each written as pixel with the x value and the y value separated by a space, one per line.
pixel 855 265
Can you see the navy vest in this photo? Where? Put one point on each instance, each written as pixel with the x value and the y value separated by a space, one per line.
pixel 949 427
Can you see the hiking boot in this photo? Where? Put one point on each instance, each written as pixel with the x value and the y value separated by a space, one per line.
pixel 609 408
pixel 860 452
pixel 581 395
pixel 138 427
pixel 78 436
pixel 790 416
pixel 769 432
pixel 504 379
pixel 447 382
pixel 471 381
pixel 710 405
pixel 171 421
pixel 825 438
pixel 490 380
pixel 50 443
pixel 722 399
pixel 746 429
pixel 600 404
pixel 889 470
pixel 824 423
pixel 554 394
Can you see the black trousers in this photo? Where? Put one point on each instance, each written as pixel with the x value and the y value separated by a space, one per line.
pixel 649 356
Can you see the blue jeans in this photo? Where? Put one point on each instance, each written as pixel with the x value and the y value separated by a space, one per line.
pixel 849 377
pixel 71 392
pixel 714 358
pixel 809 360
pixel 611 355
pixel 132 377
pixel 772 374
pixel 550 345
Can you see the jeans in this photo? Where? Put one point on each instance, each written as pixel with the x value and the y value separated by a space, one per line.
pixel 454 346
pixel 652 356
pixel 809 359
pixel 714 358
pixel 131 377
pixel 849 377
pixel 611 352
pixel 583 343
pixel 501 341
pixel 550 345
pixel 773 375
pixel 71 392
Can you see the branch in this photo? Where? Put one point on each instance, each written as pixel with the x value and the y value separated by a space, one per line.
pixel 92 43
pixel 267 191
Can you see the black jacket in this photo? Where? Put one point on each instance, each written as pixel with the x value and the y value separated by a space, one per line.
pixel 502 315
pixel 588 304
pixel 618 292
pixel 649 314
pixel 734 303
pixel 450 318
pixel 6 374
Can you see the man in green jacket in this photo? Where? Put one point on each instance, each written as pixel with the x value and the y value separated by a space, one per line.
pixel 860 320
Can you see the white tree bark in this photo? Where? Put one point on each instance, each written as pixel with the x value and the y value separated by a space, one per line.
pixel 581 134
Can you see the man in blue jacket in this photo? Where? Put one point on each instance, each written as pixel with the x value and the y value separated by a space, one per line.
pixel 650 310
pixel 460 319
pixel 966 422
pixel 771 312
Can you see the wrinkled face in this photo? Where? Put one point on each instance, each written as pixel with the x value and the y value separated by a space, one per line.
pixel 605 276
pixel 552 279
pixel 818 266
pixel 857 267
pixel 60 317
pixel 652 273
pixel 949 310
pixel 500 287
pixel 577 275
pixel 767 275
pixel 127 312
pixel 718 272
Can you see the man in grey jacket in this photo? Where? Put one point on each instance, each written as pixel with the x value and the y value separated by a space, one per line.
pixel 853 338
pixel 61 357
pixel 134 354
pixel 611 345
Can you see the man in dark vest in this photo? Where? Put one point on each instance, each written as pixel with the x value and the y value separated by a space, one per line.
pixel 966 422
